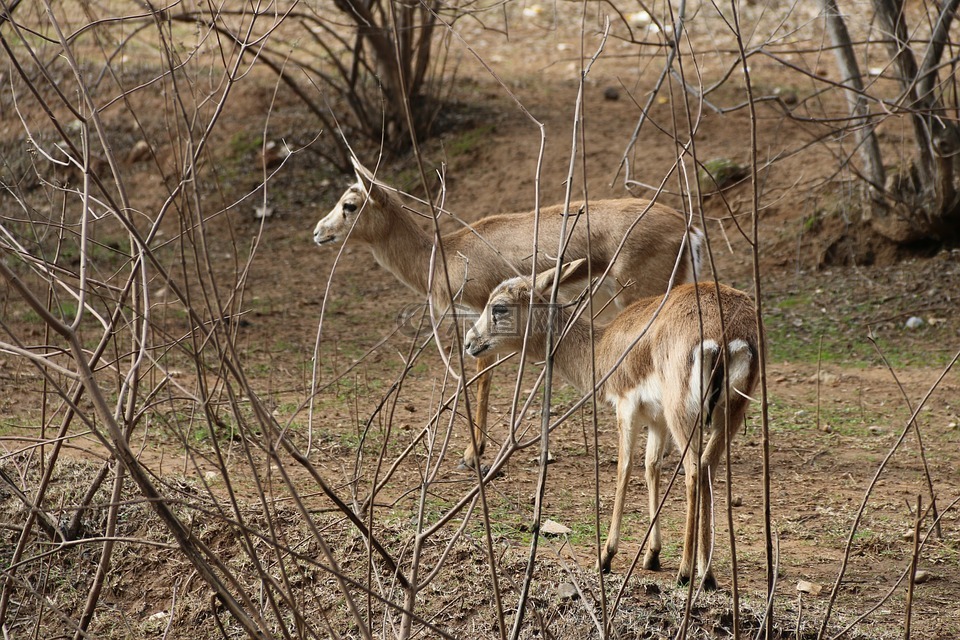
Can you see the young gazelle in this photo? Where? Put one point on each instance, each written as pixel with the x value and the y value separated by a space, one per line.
pixel 663 368
pixel 646 243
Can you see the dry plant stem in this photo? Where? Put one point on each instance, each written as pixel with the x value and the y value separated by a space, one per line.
pixel 728 469
pixel 896 585
pixel 394 393
pixel 193 548
pixel 246 541
pixel 912 575
pixel 819 356
pixel 46 522
pixel 548 366
pixel 265 419
pixel 103 567
pixel 604 621
pixel 796 630
pixel 869 490
pixel 762 357
pixel 916 428
pixel 458 345
pixel 693 586
pixel 672 53
pixel 4 598
pixel 61 438
pixel 766 622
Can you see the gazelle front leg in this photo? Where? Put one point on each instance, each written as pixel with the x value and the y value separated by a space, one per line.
pixel 478 439
pixel 628 427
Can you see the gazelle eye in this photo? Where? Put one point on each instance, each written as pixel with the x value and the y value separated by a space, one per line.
pixel 349 207
pixel 499 310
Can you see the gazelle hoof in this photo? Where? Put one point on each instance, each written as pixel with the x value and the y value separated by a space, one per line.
pixel 605 560
pixel 651 561
pixel 709 583
pixel 468 466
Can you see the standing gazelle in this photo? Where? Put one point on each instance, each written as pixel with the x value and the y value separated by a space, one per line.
pixel 644 245
pixel 666 371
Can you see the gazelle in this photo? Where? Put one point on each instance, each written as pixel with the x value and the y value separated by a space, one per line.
pixel 643 245
pixel 668 367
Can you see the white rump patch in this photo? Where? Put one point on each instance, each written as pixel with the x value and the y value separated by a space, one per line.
pixel 704 357
pixel 739 360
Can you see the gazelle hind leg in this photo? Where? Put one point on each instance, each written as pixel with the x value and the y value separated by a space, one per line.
pixel 691 478
pixel 628 428
pixel 713 452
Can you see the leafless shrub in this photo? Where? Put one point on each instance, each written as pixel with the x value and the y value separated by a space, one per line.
pixel 149 444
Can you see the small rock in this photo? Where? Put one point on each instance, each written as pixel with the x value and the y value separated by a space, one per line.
pixel 809 587
pixel 875 430
pixel 826 378
pixel 913 322
pixel 639 19
pixel 410 408
pixel 826 428
pixel 907 535
pixel 210 476
pixel 952 425
pixel 736 501
pixel 789 98
pixel 611 93
pixel 552 528
pixel 550 458
pixel 567 591
pixel 922 576
pixel 138 152
pixel 261 212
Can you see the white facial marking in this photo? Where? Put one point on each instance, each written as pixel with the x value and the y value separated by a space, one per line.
pixel 336 224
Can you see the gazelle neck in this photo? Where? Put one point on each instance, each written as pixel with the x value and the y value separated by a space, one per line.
pixel 405 251
pixel 572 355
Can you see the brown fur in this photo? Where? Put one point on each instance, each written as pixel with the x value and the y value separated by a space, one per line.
pixel 656 384
pixel 640 238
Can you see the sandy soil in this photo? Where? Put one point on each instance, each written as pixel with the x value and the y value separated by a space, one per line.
pixel 839 431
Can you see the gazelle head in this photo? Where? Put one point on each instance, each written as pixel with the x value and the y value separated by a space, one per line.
pixel 359 212
pixel 499 329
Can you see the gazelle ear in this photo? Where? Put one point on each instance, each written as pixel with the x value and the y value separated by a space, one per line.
pixel 364 176
pixel 366 182
pixel 544 281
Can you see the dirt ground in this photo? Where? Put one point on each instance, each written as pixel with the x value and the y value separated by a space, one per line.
pixel 844 376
